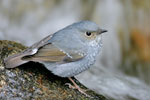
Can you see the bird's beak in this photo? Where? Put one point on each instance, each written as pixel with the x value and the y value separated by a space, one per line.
pixel 103 31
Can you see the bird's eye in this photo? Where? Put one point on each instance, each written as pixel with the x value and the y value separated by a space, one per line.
pixel 88 33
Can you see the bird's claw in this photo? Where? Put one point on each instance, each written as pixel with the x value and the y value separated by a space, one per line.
pixel 79 89
pixel 70 86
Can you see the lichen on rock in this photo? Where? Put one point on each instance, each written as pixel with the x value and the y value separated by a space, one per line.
pixel 32 81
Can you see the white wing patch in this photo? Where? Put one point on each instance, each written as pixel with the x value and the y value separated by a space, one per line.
pixel 65 53
pixel 34 51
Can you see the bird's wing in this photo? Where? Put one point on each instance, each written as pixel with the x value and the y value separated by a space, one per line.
pixel 16 60
pixel 50 53
pixel 41 51
pixel 32 50
pixel 45 51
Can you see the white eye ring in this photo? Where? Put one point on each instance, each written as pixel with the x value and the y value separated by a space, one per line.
pixel 88 33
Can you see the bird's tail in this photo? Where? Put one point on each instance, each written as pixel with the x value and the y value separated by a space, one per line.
pixel 14 61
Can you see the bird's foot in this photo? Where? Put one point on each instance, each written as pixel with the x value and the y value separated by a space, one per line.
pixel 78 88
pixel 82 91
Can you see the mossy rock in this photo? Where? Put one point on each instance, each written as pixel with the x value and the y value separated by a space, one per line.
pixel 32 81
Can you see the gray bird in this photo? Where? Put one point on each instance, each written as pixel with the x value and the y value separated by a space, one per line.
pixel 65 53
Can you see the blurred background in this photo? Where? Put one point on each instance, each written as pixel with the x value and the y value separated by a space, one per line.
pixel 122 69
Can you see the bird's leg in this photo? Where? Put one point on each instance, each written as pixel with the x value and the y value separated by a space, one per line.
pixel 76 87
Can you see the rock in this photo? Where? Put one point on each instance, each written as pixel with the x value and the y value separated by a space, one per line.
pixel 32 81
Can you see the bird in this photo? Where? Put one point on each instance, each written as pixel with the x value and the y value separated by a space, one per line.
pixel 66 53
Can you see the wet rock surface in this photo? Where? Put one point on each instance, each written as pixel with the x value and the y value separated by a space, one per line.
pixel 32 81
